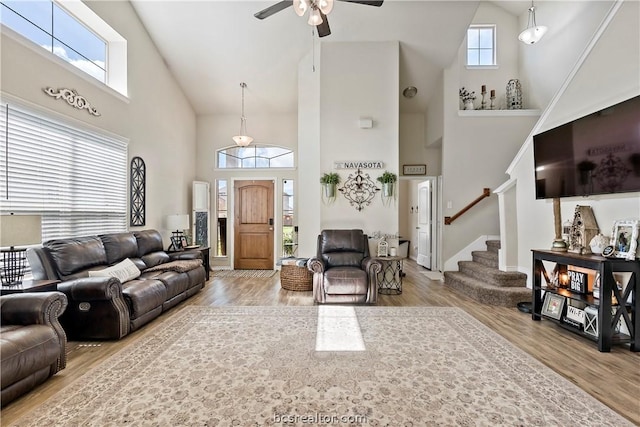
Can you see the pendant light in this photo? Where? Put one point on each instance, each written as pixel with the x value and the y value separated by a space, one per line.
pixel 534 32
pixel 243 139
pixel 314 7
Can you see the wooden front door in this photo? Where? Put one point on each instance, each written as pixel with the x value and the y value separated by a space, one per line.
pixel 253 225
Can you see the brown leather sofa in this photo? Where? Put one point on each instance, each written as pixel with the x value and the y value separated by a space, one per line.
pixel 343 271
pixel 32 342
pixel 104 307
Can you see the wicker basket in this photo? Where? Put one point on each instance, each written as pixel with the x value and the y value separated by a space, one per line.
pixel 296 278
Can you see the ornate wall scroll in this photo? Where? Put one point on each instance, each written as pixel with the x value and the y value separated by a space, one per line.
pixel 137 182
pixel 359 190
pixel 73 98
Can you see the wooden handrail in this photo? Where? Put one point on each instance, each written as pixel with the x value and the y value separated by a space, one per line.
pixel 449 219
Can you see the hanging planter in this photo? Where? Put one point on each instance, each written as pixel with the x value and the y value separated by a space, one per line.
pixel 329 182
pixel 388 180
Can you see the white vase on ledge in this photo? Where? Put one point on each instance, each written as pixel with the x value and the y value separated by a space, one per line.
pixel 468 104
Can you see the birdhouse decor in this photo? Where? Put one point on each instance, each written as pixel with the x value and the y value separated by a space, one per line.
pixel 583 230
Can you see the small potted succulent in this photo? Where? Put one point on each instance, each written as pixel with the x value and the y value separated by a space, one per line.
pixel 467 98
pixel 329 182
pixel 388 179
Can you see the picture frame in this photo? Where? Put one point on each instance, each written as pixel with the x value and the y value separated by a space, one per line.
pixel 624 238
pixel 414 169
pixel 553 305
pixel 183 242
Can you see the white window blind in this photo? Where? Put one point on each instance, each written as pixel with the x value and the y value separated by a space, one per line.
pixel 75 178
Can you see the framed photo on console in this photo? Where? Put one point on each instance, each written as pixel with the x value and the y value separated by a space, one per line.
pixel 553 305
pixel 624 238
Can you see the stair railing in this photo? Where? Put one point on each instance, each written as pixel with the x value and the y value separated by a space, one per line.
pixel 449 219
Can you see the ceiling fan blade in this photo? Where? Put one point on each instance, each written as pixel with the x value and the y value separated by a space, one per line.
pixel 366 2
pixel 323 29
pixel 265 13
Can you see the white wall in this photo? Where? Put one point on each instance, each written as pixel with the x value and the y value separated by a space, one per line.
pixel 608 75
pixel 350 91
pixel 477 149
pixel 157 118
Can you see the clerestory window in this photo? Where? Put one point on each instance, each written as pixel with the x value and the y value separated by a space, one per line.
pixel 72 32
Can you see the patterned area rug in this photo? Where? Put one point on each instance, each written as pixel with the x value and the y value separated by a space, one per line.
pixel 257 366
pixel 243 273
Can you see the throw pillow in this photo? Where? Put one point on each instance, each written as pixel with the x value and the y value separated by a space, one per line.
pixel 124 271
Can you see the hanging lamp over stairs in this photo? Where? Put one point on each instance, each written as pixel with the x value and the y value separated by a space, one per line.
pixel 481 280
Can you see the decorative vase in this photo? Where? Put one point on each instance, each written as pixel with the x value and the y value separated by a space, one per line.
pixel 329 190
pixel 514 95
pixel 598 243
pixel 468 104
pixel 387 189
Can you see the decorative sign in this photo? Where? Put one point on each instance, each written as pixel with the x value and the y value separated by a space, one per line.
pixel 72 98
pixel 356 164
pixel 414 169
pixel 575 314
pixel 578 281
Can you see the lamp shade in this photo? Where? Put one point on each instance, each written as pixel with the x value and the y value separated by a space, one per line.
pixel 532 34
pixel 20 230
pixel 177 222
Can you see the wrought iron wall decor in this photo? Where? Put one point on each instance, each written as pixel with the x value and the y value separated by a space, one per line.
pixel 138 184
pixel 72 98
pixel 202 229
pixel 359 189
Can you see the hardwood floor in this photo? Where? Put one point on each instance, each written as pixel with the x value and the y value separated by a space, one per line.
pixel 613 378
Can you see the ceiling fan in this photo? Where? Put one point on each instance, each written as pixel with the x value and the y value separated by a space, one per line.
pixel 318 11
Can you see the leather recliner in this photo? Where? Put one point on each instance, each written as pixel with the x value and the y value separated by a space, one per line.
pixel 343 271
pixel 32 342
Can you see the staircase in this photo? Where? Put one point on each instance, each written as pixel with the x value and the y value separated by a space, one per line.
pixel 481 280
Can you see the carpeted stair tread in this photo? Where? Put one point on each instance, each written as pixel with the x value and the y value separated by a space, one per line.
pixel 493 275
pixel 493 245
pixel 490 259
pixel 485 293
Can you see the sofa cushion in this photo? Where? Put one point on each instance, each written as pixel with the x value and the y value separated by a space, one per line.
pixel 119 246
pixel 155 258
pixel 175 283
pixel 124 271
pixel 345 281
pixel 72 255
pixel 179 266
pixel 142 296
pixel 148 241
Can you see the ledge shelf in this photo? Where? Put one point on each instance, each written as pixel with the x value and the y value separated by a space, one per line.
pixel 498 113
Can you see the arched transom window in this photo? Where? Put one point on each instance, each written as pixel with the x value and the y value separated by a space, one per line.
pixel 254 157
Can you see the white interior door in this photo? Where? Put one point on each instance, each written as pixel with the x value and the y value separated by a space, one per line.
pixel 429 226
pixel 200 217
pixel 424 224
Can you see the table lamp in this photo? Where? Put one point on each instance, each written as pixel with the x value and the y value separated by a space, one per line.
pixel 177 223
pixel 17 230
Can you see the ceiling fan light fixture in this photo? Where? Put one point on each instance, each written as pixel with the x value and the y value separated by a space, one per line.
pixel 243 139
pixel 314 17
pixel 325 6
pixel 534 32
pixel 300 6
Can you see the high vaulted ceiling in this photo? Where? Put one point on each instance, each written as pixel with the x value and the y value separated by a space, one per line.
pixel 212 46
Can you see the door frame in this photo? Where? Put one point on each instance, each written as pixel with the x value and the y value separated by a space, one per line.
pixel 436 220
pixel 277 215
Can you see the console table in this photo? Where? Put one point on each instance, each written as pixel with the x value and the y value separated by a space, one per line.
pixel 612 305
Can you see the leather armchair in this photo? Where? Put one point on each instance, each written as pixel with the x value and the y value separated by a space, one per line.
pixel 343 271
pixel 33 345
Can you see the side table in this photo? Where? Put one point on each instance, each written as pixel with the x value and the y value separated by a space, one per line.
pixel 390 278
pixel 31 286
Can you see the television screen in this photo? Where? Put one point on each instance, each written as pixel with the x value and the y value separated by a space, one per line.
pixel 595 154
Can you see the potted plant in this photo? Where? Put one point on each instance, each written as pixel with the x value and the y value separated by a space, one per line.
pixel 467 98
pixel 329 182
pixel 387 179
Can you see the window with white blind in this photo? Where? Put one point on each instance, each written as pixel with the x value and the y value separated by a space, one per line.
pixel 75 178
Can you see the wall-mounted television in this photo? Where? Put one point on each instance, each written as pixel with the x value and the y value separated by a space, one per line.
pixel 595 154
